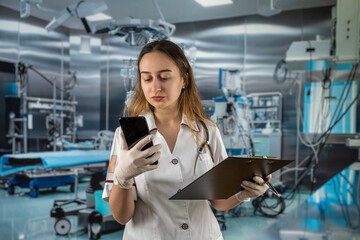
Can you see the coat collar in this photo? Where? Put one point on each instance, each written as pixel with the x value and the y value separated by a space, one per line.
pixel 152 126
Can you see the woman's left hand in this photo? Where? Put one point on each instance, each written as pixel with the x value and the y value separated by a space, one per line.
pixel 254 189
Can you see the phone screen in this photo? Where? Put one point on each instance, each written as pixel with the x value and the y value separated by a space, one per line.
pixel 134 129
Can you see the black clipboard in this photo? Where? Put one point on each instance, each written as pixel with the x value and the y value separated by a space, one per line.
pixel 223 180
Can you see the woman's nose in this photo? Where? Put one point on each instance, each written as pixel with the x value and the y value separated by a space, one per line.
pixel 156 85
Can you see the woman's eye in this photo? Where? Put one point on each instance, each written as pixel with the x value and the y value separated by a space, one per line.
pixel 164 78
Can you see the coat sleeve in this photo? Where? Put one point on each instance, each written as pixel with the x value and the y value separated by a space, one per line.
pixel 217 145
pixel 114 159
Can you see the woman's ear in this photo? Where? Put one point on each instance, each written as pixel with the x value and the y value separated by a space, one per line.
pixel 185 81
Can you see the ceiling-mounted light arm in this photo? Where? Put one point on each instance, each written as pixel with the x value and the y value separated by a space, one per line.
pixel 44 9
pixel 87 8
pixel 80 10
pixel 272 5
pixel 168 28
pixel 25 7
pixel 267 8
pixel 86 25
pixel 58 20
pixel 158 9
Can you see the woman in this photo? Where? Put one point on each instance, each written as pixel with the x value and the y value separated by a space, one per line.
pixel 166 94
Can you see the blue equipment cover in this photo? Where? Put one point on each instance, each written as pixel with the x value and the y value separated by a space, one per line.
pixel 59 159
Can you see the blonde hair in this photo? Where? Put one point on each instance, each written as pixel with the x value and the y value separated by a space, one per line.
pixel 189 102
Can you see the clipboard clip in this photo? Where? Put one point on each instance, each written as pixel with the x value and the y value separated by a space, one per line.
pixel 262 157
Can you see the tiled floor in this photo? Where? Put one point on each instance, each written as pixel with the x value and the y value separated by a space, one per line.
pixel 326 215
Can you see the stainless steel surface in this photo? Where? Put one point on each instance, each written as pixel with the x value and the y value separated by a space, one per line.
pixel 9 33
pixel 353 142
pixel 336 138
pixel 86 63
pixel 43 51
pixel 219 44
pixel 114 51
pixel 29 43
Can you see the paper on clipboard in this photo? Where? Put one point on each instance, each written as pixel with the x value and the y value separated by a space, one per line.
pixel 223 180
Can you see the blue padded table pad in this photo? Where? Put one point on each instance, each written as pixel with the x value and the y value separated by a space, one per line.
pixel 53 159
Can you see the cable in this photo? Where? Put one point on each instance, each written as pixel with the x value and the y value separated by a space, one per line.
pixel 336 113
pixel 326 83
pixel 301 178
pixel 292 84
pixel 311 62
pixel 320 143
pixel 260 205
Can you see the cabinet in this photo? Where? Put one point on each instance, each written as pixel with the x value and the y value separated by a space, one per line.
pixel 265 122
pixel 265 111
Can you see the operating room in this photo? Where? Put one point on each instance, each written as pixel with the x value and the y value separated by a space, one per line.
pixel 279 78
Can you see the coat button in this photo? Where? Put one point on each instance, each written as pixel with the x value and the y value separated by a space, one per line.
pixel 184 226
pixel 174 161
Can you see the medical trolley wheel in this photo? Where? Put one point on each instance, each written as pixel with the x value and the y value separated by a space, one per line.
pixel 11 190
pixel 34 192
pixel 62 226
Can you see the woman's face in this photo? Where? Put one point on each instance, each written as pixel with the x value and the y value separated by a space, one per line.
pixel 161 81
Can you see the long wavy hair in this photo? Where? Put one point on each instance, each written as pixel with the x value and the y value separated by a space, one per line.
pixel 189 100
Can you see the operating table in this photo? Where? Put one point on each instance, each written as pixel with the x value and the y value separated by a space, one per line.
pixel 50 169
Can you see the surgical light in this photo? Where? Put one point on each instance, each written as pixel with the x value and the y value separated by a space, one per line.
pixel 136 32
pixel 211 3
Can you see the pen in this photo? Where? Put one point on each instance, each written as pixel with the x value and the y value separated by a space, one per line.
pixel 272 188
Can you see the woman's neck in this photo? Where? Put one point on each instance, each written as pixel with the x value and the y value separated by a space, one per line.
pixel 166 117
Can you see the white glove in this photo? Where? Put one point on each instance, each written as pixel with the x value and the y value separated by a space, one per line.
pixel 133 162
pixel 252 189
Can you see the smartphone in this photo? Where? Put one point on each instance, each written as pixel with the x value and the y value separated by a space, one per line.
pixel 134 129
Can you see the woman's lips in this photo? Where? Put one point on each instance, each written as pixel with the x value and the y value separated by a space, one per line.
pixel 157 98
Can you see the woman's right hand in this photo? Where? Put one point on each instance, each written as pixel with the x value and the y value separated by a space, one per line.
pixel 133 162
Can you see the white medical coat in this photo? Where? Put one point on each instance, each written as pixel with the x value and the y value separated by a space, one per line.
pixel 157 217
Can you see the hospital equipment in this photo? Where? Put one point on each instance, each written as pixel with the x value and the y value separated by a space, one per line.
pixel 231 113
pixel 50 169
pixel 343 47
pixel 61 120
pixel 250 124
pixel 80 10
pixel 326 91
pixel 266 123
pixel 135 31
pixel 93 214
